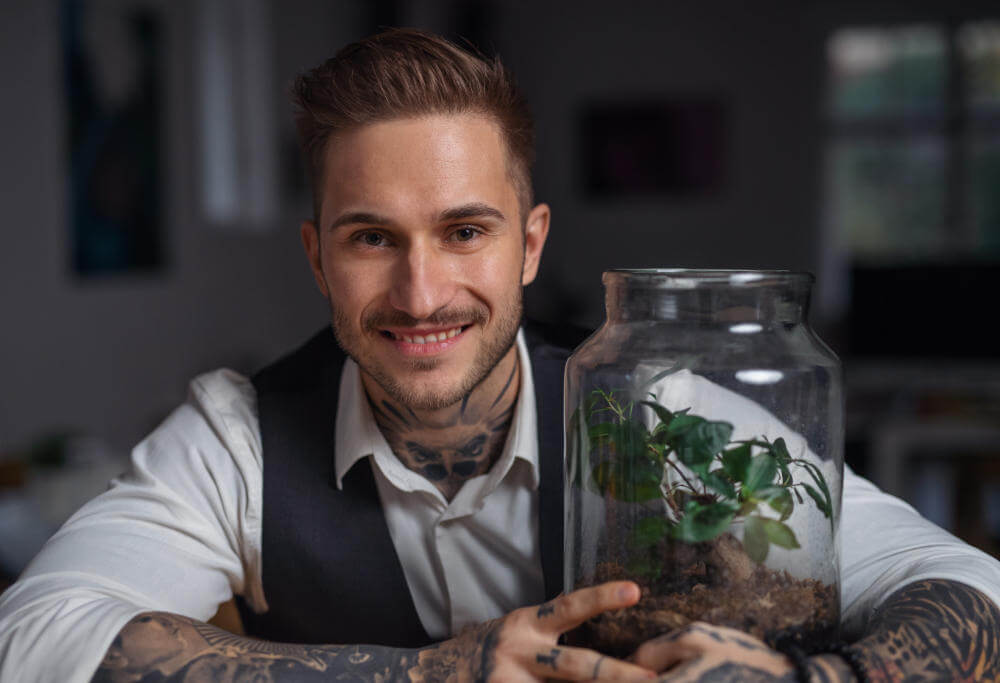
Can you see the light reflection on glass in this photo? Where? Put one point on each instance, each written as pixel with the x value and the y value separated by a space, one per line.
pixel 758 376
pixel 745 328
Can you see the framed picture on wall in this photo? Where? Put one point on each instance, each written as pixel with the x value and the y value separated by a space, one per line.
pixel 112 75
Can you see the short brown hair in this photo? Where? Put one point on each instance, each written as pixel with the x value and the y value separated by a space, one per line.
pixel 403 73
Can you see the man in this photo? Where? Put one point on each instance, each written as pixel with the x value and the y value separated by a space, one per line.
pixel 411 497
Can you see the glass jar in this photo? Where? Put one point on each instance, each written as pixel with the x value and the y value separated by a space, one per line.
pixel 705 458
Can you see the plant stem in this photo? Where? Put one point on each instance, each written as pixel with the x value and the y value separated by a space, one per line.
pixel 680 472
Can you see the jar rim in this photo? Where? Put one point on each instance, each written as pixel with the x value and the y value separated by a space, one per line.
pixel 690 278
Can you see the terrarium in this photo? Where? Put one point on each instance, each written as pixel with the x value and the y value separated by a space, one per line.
pixel 705 459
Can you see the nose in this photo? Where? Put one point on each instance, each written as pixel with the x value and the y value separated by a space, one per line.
pixel 423 281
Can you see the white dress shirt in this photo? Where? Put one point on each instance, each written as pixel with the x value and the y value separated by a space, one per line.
pixel 181 532
pixel 476 557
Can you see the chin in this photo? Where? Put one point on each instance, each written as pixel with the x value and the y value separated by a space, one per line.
pixel 420 389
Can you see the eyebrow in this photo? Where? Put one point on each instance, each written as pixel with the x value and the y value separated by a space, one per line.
pixel 358 218
pixel 471 210
pixel 456 213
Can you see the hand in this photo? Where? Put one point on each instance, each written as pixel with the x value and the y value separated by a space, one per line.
pixel 524 645
pixel 703 652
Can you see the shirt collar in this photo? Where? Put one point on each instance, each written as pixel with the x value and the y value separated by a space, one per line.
pixel 358 435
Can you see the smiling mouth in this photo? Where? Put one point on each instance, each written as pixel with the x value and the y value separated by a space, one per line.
pixel 430 338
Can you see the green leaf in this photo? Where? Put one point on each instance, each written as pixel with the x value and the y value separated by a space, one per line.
pixel 697 445
pixel 703 522
pixel 820 501
pixel 735 462
pixel 823 499
pixel 821 482
pixel 760 473
pixel 779 534
pixel 714 435
pixel 649 531
pixel 665 415
pixel 716 481
pixel 683 423
pixel 779 498
pixel 780 451
pixel 755 540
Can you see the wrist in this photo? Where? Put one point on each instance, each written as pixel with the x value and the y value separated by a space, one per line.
pixel 831 666
pixel 839 665
pixel 852 658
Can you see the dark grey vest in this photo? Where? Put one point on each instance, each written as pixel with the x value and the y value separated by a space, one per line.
pixel 330 570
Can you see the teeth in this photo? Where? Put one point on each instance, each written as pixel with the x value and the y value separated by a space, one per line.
pixel 429 338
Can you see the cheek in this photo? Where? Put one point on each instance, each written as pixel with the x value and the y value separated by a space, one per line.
pixel 500 272
pixel 352 284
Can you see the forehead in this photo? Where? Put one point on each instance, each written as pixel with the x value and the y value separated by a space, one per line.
pixel 422 164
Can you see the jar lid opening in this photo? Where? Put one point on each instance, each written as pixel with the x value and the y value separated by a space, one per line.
pixel 691 278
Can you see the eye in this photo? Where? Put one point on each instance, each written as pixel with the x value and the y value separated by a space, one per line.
pixel 466 233
pixel 370 238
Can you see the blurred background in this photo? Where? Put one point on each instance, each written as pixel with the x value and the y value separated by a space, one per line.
pixel 151 192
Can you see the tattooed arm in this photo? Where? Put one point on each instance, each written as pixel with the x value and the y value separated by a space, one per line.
pixel 521 646
pixel 933 630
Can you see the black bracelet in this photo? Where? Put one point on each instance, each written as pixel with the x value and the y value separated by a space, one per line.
pixel 799 660
pixel 853 659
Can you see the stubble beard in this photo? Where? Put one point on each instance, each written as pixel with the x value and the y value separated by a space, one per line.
pixel 491 351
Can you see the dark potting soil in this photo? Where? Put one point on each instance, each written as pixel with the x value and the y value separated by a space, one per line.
pixel 717 583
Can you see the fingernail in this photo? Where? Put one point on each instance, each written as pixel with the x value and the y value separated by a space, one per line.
pixel 626 592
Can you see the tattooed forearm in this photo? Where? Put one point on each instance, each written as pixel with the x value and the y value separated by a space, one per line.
pixel 166 647
pixel 935 631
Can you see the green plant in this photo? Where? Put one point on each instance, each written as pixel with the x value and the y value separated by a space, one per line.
pixel 707 481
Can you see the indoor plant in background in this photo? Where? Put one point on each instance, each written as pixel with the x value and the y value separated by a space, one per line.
pixel 704 457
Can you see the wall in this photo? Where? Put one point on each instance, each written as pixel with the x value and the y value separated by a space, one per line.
pixel 111 357
pixel 748 54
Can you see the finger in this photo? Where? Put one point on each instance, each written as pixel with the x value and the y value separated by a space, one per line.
pixel 571 610
pixel 668 650
pixel 579 664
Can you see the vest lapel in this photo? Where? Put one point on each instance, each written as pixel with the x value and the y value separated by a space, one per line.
pixel 330 569
pixel 547 369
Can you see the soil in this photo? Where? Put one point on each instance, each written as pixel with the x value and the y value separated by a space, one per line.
pixel 718 583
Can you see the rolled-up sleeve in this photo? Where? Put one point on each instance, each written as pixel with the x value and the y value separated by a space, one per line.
pixel 179 532
pixel 885 545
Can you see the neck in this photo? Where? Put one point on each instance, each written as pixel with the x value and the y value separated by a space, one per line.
pixel 453 444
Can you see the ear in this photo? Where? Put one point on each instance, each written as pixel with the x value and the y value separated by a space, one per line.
pixel 536 229
pixel 310 242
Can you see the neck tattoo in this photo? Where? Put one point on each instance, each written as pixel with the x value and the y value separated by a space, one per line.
pixel 454 444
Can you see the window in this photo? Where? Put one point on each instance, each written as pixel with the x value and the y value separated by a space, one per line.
pixel 913 157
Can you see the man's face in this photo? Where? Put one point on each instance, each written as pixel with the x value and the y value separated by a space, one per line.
pixel 421 253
